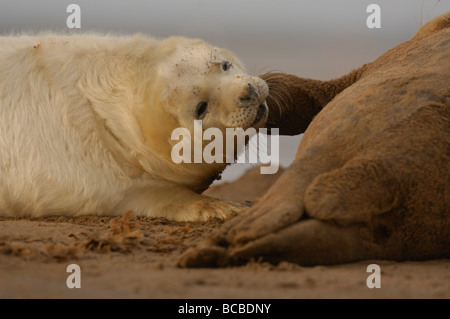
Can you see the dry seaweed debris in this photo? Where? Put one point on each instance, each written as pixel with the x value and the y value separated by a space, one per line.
pixel 22 250
pixel 122 237
pixel 122 234
pixel 62 253
pixel 15 250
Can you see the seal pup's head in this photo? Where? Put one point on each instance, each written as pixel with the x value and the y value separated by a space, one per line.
pixel 203 82
pixel 192 80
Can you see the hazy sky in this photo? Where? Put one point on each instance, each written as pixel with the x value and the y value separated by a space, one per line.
pixel 311 38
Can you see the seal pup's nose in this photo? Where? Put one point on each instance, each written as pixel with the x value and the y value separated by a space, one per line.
pixel 250 94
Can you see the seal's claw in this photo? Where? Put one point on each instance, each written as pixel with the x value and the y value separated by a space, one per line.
pixel 268 219
pixel 203 256
pixel 279 208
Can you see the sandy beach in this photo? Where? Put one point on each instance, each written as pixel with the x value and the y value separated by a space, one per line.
pixel 135 257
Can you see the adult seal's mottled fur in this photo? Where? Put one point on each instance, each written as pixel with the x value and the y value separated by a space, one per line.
pixel 371 178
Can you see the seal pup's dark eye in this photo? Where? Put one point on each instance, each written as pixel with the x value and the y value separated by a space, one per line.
pixel 226 65
pixel 201 109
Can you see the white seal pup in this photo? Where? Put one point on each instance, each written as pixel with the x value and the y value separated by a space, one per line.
pixel 86 123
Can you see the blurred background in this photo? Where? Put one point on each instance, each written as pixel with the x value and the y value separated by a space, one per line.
pixel 319 39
